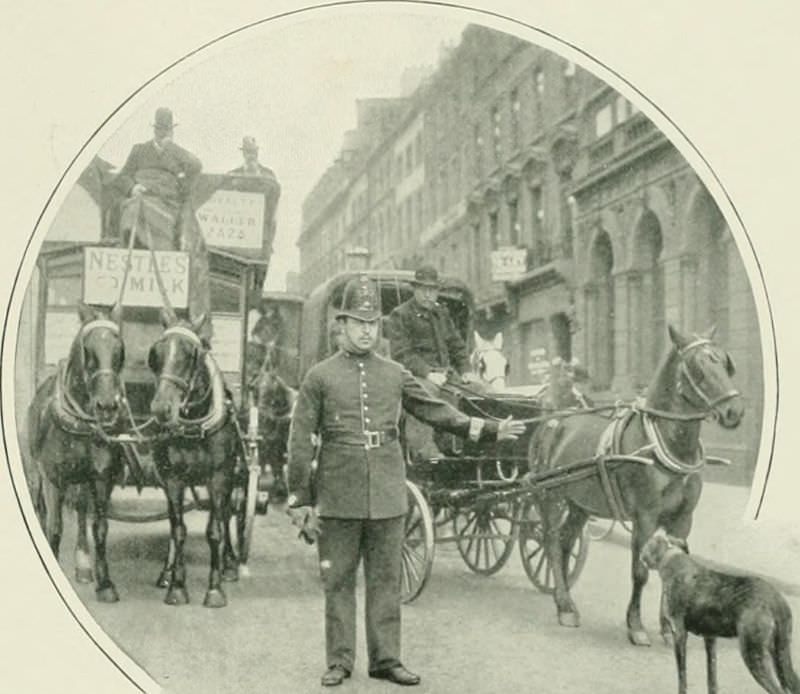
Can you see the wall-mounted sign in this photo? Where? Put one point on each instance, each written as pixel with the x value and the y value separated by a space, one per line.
pixel 233 219
pixel 104 270
pixel 509 263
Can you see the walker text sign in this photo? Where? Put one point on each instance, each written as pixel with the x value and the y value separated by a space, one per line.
pixel 233 219
pixel 509 264
pixel 104 271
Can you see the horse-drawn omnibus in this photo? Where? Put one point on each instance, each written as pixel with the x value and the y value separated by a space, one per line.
pixel 149 291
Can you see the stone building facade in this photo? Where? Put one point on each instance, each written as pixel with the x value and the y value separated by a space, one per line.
pixel 507 146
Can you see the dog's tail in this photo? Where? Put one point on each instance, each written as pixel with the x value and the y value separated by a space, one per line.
pixel 783 650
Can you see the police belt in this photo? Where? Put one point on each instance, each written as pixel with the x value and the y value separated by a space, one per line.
pixel 367 439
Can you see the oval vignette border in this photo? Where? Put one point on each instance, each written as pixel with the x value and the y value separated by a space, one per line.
pixel 479 15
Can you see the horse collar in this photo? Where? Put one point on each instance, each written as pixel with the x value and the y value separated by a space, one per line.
pixel 664 455
pixel 184 332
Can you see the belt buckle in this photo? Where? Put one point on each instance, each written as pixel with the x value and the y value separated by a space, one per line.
pixel 373 439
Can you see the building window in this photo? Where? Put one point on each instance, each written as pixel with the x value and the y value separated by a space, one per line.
pixel 409 218
pixel 603 121
pixel 513 222
pixel 537 219
pixel 418 149
pixel 515 111
pixel 409 159
pixel 497 135
pixel 420 216
pixel 623 109
pixel 478 143
pixel 538 80
pixel 494 231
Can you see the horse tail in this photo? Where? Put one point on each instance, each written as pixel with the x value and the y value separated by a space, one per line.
pixel 783 650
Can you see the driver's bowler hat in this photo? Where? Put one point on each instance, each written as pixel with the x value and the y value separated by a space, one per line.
pixel 426 276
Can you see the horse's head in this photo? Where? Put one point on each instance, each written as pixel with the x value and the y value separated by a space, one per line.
pixel 97 358
pixel 705 378
pixel 176 359
pixel 489 362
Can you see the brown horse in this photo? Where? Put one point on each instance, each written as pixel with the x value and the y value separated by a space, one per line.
pixel 692 383
pixel 198 444
pixel 70 421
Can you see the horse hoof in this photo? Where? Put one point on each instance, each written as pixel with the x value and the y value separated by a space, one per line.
pixel 107 593
pixel 215 598
pixel 230 573
pixel 84 575
pixel 638 637
pixel 569 619
pixel 163 580
pixel 177 596
pixel 244 571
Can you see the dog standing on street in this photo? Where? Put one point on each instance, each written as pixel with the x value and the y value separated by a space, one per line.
pixel 713 604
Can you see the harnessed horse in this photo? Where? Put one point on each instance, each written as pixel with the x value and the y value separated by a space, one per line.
pixel 692 383
pixel 70 422
pixel 275 400
pixel 198 443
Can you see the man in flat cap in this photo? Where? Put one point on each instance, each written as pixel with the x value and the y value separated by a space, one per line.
pixel 251 165
pixel 157 180
pixel 355 504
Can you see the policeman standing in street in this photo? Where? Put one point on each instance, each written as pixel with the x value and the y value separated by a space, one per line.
pixel 355 504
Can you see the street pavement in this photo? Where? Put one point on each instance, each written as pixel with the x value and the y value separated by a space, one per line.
pixel 465 633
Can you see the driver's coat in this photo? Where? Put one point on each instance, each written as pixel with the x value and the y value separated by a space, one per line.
pixel 340 399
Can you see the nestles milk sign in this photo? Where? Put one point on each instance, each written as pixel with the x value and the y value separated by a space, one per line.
pixel 233 219
pixel 509 263
pixel 104 269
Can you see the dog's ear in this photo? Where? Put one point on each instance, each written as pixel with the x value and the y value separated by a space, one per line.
pixel 678 542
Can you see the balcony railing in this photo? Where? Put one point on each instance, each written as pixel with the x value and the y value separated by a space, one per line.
pixel 601 151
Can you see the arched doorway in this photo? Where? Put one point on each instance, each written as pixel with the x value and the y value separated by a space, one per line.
pixel 600 313
pixel 648 329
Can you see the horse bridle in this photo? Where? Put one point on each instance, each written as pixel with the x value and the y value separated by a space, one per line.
pixel 478 357
pixel 186 386
pixel 88 379
pixel 685 373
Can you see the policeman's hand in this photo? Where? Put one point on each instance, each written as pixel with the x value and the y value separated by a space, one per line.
pixel 138 189
pixel 437 378
pixel 508 429
pixel 305 518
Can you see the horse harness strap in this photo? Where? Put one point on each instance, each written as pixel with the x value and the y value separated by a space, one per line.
pixel 610 443
pixel 69 416
pixel 665 456
pixel 220 409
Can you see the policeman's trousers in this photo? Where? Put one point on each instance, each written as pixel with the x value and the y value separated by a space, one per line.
pixel 342 544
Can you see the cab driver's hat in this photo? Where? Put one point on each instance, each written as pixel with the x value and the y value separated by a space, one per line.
pixel 361 300
pixel 426 276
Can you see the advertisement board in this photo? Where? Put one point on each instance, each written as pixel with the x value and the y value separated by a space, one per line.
pixel 104 270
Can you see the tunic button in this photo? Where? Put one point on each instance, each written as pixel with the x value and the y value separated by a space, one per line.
pixel 366 408
pixel 361 365
pixel 366 419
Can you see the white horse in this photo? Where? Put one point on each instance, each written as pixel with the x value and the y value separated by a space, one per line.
pixel 489 363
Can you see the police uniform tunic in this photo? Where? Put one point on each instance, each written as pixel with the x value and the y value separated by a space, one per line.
pixel 353 403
